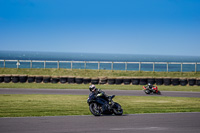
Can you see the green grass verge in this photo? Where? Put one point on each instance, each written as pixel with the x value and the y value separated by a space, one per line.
pixel 17 105
pixel 103 87
pixel 95 73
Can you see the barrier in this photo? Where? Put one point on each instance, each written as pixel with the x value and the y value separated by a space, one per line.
pixel 46 79
pixel 119 81
pixel 127 66
pixel 103 80
pixel 159 81
pixel 15 78
pixel 31 79
pixel 192 81
pixel 167 81
pixel 38 79
pixel 86 80
pixel 23 78
pixel 7 78
pixel 79 80
pixel 1 78
pixel 55 79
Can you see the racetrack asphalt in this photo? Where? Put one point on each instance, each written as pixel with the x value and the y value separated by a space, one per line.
pixel 86 92
pixel 136 123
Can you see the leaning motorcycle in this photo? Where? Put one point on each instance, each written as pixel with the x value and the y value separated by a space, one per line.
pixel 154 90
pixel 111 106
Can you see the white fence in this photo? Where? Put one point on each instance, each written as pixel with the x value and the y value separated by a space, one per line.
pixel 133 66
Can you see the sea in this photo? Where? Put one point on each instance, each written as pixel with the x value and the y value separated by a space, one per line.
pixel 193 61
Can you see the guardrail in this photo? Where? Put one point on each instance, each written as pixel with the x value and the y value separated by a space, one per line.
pixel 127 66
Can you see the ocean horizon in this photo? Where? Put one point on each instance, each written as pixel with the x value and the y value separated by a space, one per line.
pixel 67 56
pixel 62 56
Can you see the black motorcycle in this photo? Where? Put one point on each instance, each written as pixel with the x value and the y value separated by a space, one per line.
pixel 97 109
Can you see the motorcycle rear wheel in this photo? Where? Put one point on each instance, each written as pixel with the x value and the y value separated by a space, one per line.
pixel 117 109
pixel 159 93
pixel 94 109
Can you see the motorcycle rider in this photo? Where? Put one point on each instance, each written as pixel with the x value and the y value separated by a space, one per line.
pixel 100 97
pixel 150 87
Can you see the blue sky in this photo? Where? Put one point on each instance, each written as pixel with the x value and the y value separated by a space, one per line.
pixel 155 27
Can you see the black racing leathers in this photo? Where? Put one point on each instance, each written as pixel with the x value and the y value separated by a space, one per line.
pixel 101 98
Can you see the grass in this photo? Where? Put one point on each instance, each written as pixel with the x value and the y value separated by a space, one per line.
pixel 103 87
pixel 95 73
pixel 18 105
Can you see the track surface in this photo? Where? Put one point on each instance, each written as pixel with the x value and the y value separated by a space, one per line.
pixel 137 123
pixel 86 92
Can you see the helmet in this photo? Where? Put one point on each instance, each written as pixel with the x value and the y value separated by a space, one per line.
pixel 92 87
pixel 149 84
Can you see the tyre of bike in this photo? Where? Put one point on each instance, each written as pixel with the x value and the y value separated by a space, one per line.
pixel 159 93
pixel 94 109
pixel 147 91
pixel 117 109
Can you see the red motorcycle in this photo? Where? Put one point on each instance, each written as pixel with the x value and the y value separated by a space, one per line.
pixel 153 90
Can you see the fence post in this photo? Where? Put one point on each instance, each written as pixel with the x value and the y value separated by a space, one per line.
pixel 195 67
pixel 112 66
pixel 71 65
pixel 126 66
pixel 17 64
pixel 139 66
pixel 167 66
pixel 181 67
pixel 153 66
pixel 85 65
pixel 4 64
pixel 98 66
pixel 31 64
pixel 58 67
pixel 44 64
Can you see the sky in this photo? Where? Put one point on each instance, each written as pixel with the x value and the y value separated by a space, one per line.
pixel 153 27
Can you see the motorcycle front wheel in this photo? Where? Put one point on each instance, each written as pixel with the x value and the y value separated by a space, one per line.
pixel 117 109
pixel 94 109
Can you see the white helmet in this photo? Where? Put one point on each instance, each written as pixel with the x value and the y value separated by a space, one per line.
pixel 92 87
